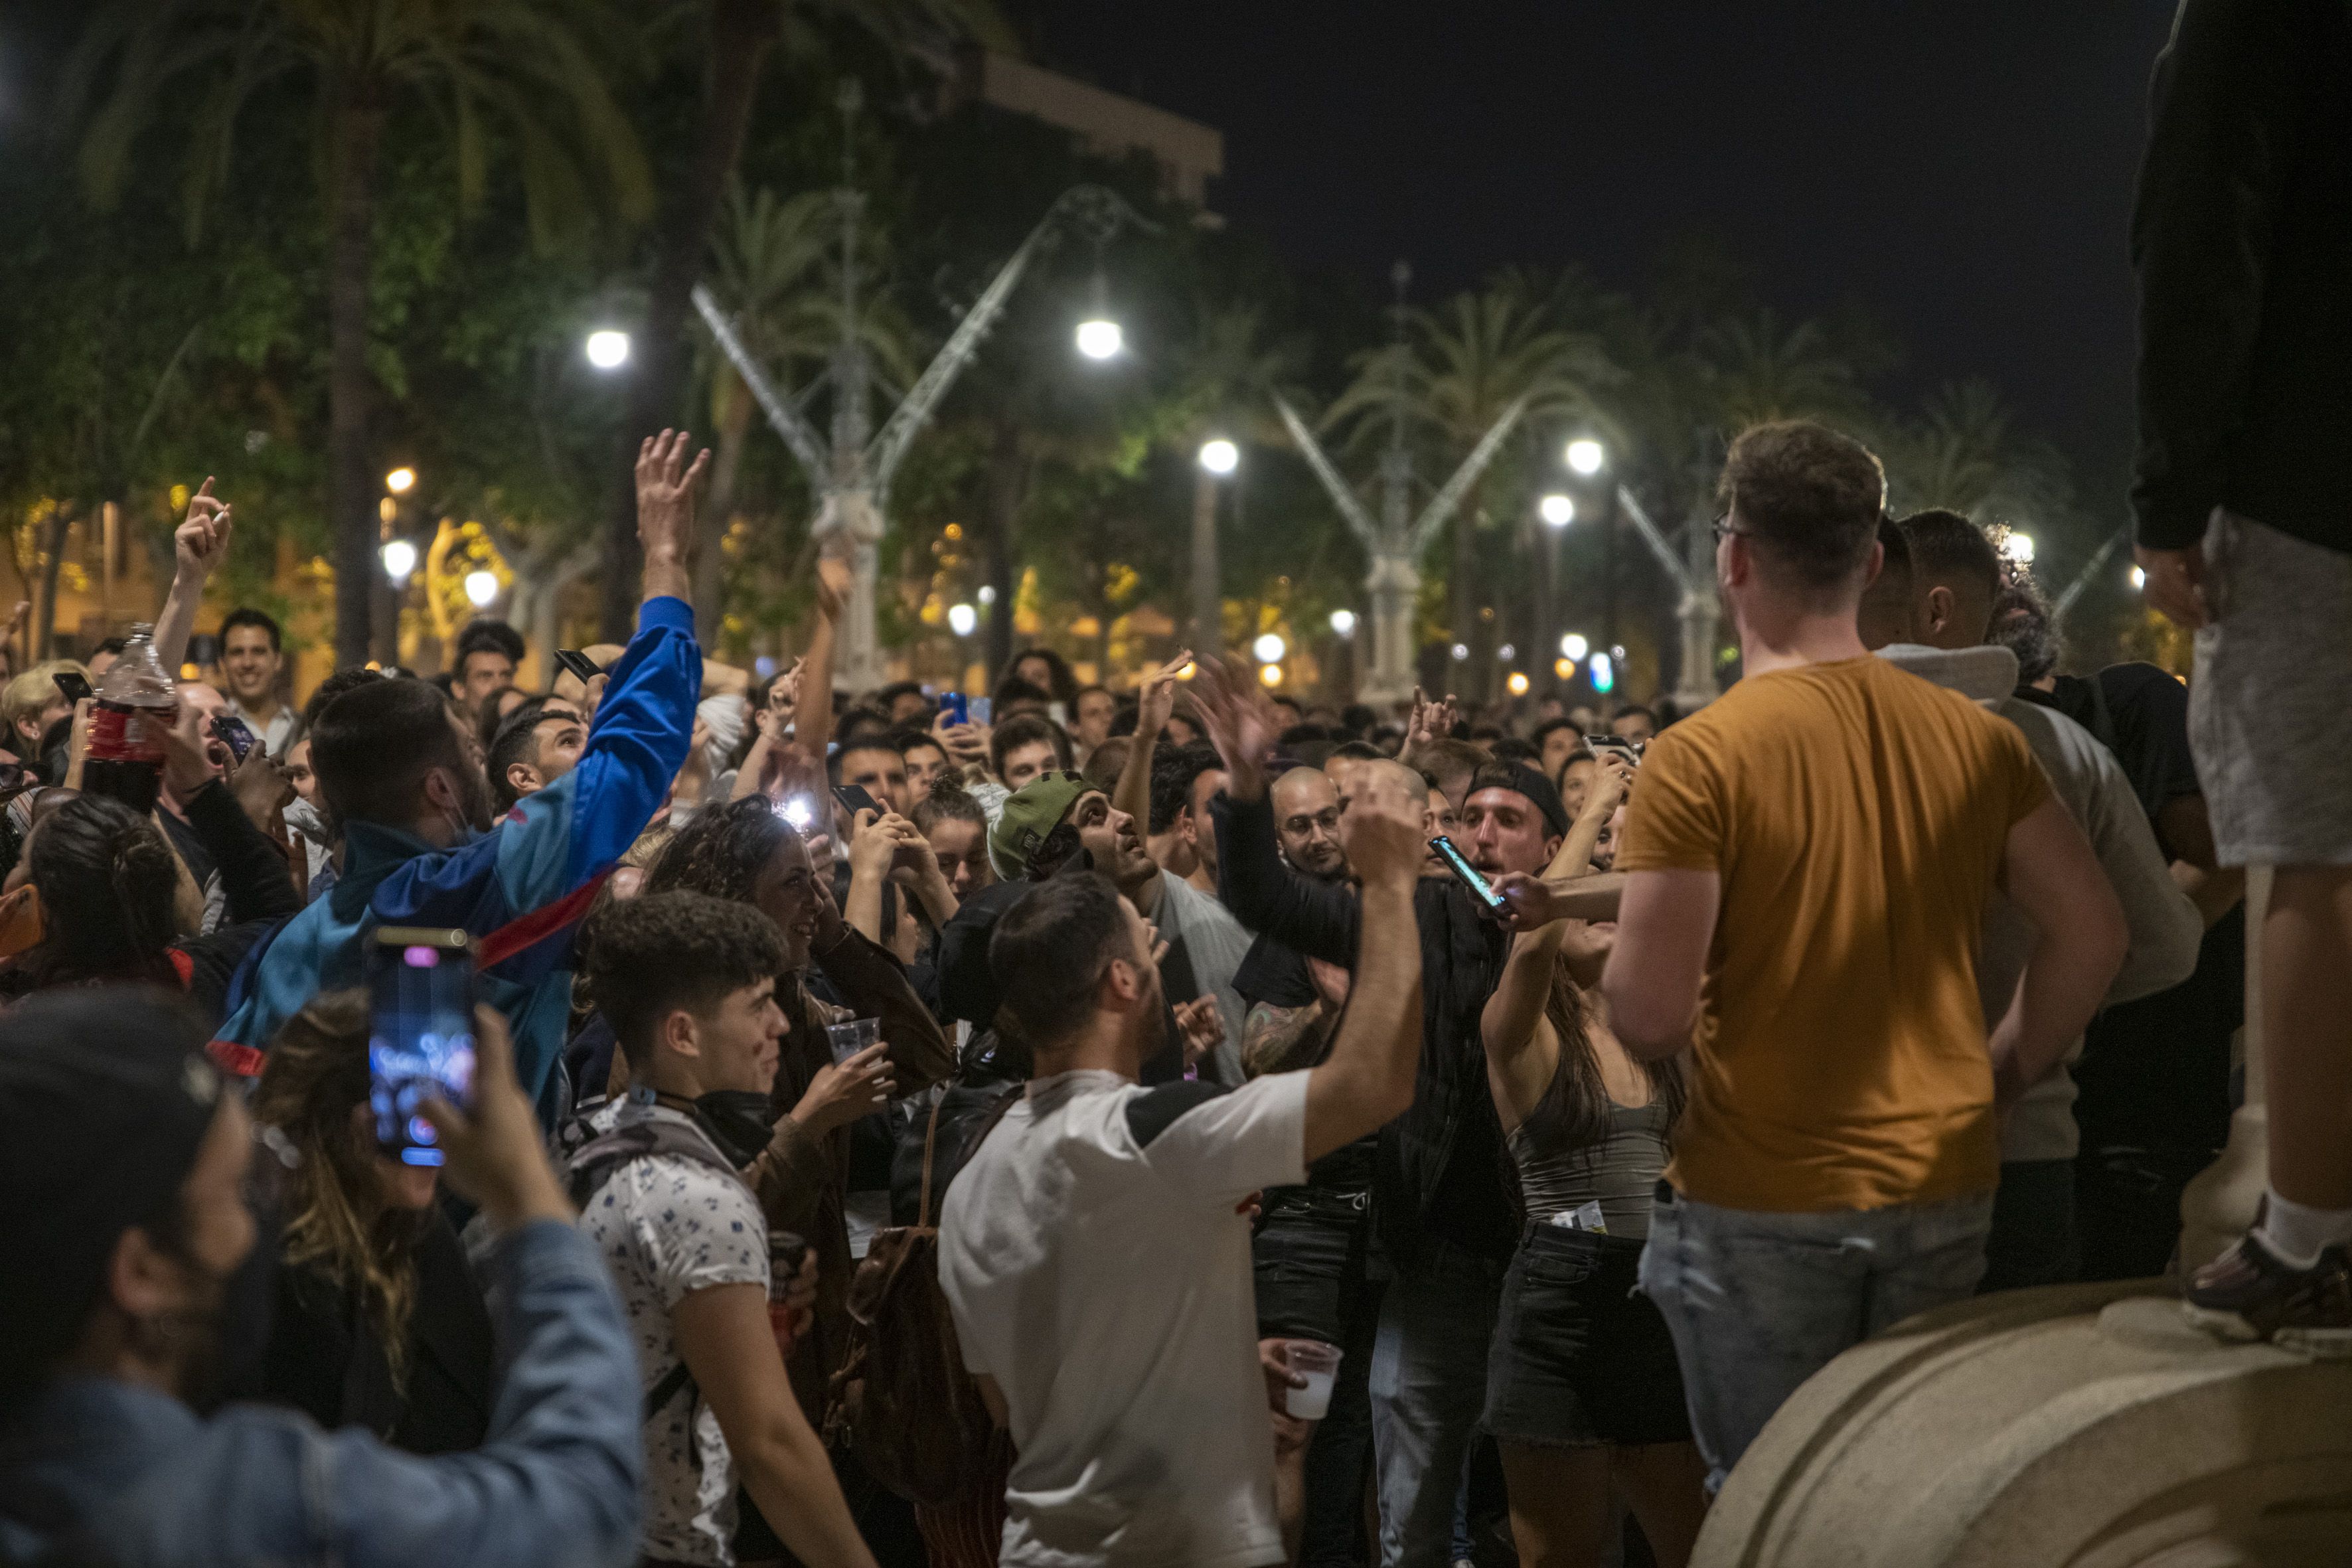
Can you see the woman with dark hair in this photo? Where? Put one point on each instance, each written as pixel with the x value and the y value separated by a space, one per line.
pixel 1046 669
pixel 109 888
pixel 1583 1393
pixel 379 1322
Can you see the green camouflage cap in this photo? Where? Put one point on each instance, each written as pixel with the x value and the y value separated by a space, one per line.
pixel 1029 815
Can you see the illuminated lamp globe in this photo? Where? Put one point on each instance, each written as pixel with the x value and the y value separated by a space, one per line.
pixel 1573 647
pixel 2019 547
pixel 1585 456
pixel 962 619
pixel 1517 684
pixel 1344 622
pixel 481 587
pixel 1270 648
pixel 1557 510
pixel 399 559
pixel 1269 674
pixel 1220 455
pixel 1099 339
pixel 608 348
pixel 400 481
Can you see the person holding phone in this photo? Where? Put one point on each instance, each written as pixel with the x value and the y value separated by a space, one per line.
pixel 126 1264
pixel 252 658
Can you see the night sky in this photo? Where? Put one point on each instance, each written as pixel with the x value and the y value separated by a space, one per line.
pixel 1962 167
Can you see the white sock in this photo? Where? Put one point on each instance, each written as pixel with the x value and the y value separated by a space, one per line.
pixel 2298 1233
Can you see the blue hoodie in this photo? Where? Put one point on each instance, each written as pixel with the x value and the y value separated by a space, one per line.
pixel 530 879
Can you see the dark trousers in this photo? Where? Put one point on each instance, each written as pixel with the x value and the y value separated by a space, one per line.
pixel 1318 1279
pixel 2127 1202
pixel 2033 1240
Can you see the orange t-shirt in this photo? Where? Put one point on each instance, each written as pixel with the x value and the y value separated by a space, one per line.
pixel 1856 815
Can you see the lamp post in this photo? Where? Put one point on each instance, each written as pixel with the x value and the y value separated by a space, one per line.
pixel 1219 458
pixel 1555 511
pixel 850 473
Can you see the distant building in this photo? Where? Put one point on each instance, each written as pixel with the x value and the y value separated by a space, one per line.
pixel 1189 154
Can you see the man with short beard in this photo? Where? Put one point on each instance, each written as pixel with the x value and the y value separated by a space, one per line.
pixel 403 776
pixel 126 1263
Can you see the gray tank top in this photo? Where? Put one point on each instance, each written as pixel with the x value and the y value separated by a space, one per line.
pixel 1620 1175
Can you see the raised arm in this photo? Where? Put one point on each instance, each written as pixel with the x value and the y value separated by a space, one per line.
pixel 2049 871
pixel 812 719
pixel 1368 1079
pixel 1319 920
pixel 1507 1024
pixel 198 547
pixel 1155 701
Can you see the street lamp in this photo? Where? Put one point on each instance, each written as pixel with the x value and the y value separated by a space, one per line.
pixel 1220 455
pixel 1557 510
pixel 1584 455
pixel 1344 622
pixel 399 560
pixel 1099 338
pixel 1461 651
pixel 987 592
pixel 1573 647
pixel 1270 648
pixel 962 619
pixel 2139 579
pixel 608 348
pixel 481 586
pixel 2018 548
pixel 1269 674
pixel 1517 684
pixel 400 481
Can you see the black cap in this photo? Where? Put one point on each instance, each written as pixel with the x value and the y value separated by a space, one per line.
pixel 105 1097
pixel 1541 793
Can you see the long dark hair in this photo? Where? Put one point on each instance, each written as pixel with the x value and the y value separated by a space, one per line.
pixel 107 881
pixel 1575 1109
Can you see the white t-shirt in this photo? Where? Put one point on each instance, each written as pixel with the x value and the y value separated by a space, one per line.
pixel 668 1227
pixel 1099 1273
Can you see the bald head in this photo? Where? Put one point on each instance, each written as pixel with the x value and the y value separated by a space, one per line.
pixel 1306 823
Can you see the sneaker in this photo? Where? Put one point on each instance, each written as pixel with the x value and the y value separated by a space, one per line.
pixel 2250 1293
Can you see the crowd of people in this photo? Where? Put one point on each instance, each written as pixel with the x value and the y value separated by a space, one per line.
pixel 1166 1122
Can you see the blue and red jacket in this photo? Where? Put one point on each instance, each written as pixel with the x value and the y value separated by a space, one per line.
pixel 519 889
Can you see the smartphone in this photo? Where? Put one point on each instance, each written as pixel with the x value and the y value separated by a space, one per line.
pixel 420 1033
pixel 234 733
pixel 1630 750
pixel 1460 866
pixel 579 664
pixel 982 709
pixel 854 799
pixel 953 710
pixel 75 688
pixel 799 810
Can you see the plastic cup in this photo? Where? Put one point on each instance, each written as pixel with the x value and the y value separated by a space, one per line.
pixel 1318 1363
pixel 849 1039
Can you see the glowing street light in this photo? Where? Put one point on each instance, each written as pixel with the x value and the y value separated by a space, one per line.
pixel 962 619
pixel 2139 579
pixel 1557 510
pixel 1269 674
pixel 987 592
pixel 400 481
pixel 1507 653
pixel 1270 648
pixel 1604 672
pixel 1099 338
pixel 1461 651
pixel 1573 647
pixel 1220 455
pixel 2018 548
pixel 608 348
pixel 1584 455
pixel 1564 668
pixel 399 560
pixel 1344 622
pixel 481 586
pixel 1517 684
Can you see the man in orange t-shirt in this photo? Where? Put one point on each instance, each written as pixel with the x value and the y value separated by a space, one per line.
pixel 1807 865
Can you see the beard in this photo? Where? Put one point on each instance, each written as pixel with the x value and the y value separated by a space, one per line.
pixel 2021 623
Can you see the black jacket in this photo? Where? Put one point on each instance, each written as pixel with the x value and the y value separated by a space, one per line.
pixel 2242 240
pixel 1440 1175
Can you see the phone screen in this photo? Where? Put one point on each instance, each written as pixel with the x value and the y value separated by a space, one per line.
pixel 578 663
pixel 74 687
pixel 953 710
pixel 1460 867
pixel 234 733
pixel 420 1033
pixel 982 709
pixel 854 799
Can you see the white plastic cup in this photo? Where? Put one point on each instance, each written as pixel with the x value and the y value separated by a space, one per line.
pixel 849 1040
pixel 1318 1363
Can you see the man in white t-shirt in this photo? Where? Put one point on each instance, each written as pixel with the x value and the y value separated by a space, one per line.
pixel 1091 1251
pixel 687 982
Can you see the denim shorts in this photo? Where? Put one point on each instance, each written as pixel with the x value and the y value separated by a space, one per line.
pixel 1311 1257
pixel 1579 1356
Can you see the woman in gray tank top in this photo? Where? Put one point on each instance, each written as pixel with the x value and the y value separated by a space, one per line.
pixel 1584 1394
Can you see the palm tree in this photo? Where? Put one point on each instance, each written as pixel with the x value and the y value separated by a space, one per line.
pixel 1460 368
pixel 740 35
pixel 1965 456
pixel 528 65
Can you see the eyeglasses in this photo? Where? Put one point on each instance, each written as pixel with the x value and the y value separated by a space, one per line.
pixel 1723 529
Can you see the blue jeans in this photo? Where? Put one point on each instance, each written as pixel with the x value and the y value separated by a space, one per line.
pixel 1760 1302
pixel 1429 1387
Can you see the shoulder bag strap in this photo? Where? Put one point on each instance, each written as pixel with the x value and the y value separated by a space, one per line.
pixel 931 1139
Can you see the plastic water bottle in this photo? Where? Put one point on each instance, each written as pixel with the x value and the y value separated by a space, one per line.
pixel 136 702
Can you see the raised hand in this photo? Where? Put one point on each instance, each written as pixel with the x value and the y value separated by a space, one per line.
pixel 1432 720
pixel 1202 1026
pixel 201 542
pixel 1239 721
pixel 1156 697
pixel 832 581
pixel 1383 822
pixel 2176 584
pixel 665 486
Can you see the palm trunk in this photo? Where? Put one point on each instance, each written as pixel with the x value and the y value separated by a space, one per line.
pixel 53 557
pixel 741 34
pixel 1469 677
pixel 1208 612
pixel 351 486
pixel 1008 495
pixel 734 419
